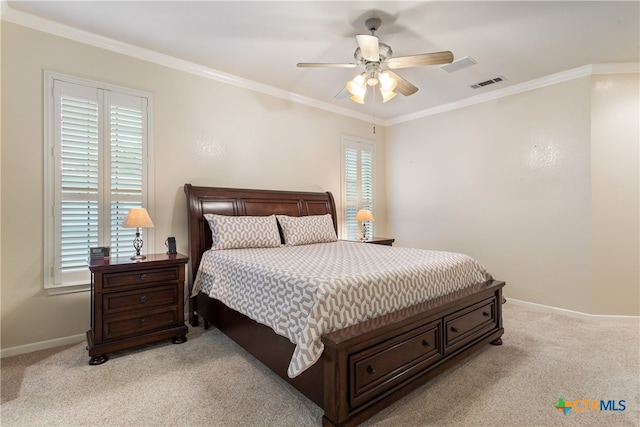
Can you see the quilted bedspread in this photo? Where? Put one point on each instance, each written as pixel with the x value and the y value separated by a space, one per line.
pixel 303 292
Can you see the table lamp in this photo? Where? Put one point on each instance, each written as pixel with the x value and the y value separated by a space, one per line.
pixel 364 215
pixel 138 218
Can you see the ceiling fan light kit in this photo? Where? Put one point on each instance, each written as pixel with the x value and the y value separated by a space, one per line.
pixel 374 55
pixel 372 77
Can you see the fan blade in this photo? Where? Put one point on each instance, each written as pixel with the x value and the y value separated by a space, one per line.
pixel 342 94
pixel 369 47
pixel 419 60
pixel 403 86
pixel 324 64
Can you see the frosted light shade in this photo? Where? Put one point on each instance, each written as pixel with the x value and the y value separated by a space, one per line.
pixel 387 83
pixel 357 98
pixel 387 95
pixel 356 86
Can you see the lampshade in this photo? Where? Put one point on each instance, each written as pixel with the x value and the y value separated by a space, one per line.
pixel 387 95
pixel 387 83
pixel 358 98
pixel 356 86
pixel 137 218
pixel 364 215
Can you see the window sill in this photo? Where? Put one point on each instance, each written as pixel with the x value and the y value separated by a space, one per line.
pixel 69 289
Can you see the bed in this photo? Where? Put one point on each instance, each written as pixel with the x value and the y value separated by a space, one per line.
pixel 362 367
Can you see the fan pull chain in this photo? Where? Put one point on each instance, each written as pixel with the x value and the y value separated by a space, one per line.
pixel 373 89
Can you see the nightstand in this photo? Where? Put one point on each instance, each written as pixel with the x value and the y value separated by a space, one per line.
pixel 381 241
pixel 135 302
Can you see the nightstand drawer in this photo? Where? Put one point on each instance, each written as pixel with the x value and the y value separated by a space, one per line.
pixel 139 299
pixel 141 277
pixel 133 325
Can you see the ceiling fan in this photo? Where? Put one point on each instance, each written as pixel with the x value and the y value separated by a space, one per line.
pixel 378 63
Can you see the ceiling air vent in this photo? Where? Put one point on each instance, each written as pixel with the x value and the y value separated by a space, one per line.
pixel 458 64
pixel 488 82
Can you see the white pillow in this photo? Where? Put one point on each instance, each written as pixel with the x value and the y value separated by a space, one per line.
pixel 235 232
pixel 304 230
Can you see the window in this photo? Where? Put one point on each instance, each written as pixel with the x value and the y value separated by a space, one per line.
pixel 97 167
pixel 357 184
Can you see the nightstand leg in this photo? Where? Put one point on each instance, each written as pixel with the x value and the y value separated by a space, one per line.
pixel 98 360
pixel 180 339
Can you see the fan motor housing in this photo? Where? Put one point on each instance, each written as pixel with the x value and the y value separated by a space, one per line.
pixel 384 51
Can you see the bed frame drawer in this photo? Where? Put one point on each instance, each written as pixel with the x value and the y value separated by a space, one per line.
pixel 465 325
pixel 379 368
pixel 371 364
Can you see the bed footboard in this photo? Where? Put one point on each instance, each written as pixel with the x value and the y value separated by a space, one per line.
pixel 371 365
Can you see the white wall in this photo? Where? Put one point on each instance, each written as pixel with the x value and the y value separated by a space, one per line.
pixel 615 192
pixel 508 181
pixel 205 133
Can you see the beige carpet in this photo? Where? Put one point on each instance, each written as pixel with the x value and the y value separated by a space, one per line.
pixel 209 381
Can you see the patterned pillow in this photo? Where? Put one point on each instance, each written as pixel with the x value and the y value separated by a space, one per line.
pixel 235 232
pixel 304 230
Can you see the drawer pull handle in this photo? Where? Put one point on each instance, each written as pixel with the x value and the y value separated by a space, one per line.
pixel 371 370
pixel 485 314
pixel 454 329
pixel 143 277
pixel 143 298
pixel 426 343
pixel 143 320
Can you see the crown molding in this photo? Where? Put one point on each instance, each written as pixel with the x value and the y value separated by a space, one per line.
pixel 587 70
pixel 51 27
pixel 85 37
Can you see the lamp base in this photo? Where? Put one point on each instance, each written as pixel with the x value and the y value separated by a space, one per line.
pixel 364 232
pixel 137 245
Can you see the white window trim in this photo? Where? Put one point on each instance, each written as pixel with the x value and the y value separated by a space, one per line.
pixel 49 169
pixel 358 143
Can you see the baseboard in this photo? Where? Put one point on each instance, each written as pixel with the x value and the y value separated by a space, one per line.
pixel 571 312
pixel 42 345
pixel 58 342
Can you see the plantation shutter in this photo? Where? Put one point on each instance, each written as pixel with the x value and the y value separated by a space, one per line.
pixel 357 184
pixel 99 169
pixel 366 186
pixel 77 181
pixel 127 171
pixel 352 193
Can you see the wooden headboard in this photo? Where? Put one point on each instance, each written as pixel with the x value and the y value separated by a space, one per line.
pixel 237 202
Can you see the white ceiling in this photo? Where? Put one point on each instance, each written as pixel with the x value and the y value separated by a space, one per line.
pixel 262 41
